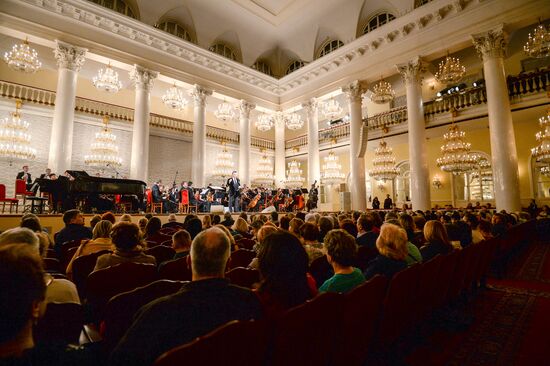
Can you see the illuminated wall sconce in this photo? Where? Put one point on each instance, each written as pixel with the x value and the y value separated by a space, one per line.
pixel 436 182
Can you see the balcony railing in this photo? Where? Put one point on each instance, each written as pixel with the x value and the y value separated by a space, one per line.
pixel 457 101
pixel 392 117
pixel 534 82
pixel 337 132
pixel 261 143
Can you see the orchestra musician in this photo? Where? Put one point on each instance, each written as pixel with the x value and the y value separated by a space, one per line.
pixel 46 174
pixel 233 185
pixel 313 197
pixel 26 176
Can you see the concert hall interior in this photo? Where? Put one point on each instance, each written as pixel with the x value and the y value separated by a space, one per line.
pixel 291 109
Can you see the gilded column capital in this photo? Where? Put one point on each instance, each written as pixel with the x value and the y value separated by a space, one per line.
pixel 69 56
pixel 412 71
pixel 492 43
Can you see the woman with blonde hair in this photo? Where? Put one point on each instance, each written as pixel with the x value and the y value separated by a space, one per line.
pixel 126 218
pixel 392 246
pixel 295 225
pixel 437 241
pixel 101 240
pixel 241 228
pixel 206 222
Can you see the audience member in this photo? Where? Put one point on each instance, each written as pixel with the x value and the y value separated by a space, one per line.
pixel 152 234
pixel 109 216
pixel 126 218
pixel 201 305
pixel 101 240
pixel 341 252
pixel 437 241
pixel 193 227
pixel 227 220
pixel 325 225
pixel 142 223
pixel 473 222
pixel 206 222
pixel 349 226
pixel 227 232
pixel 173 222
pixel 295 225
pixel 284 223
pixel 181 243
pixel 128 247
pixel 486 229
pixel 366 236
pixel 74 229
pixel 392 246
pixel 94 220
pixel 464 232
pixel 240 227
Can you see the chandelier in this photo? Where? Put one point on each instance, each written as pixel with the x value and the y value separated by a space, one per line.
pixel 382 92
pixel 174 98
pixel 225 112
pixel 456 157
pixel 545 170
pixel 15 141
pixel 23 58
pixel 332 109
pixel 264 122
pixel 294 121
pixel 265 171
pixel 450 71
pixel 483 169
pixel 107 80
pixel 331 170
pixel 104 151
pixel 294 175
pixel 224 163
pixel 384 163
pixel 542 152
pixel 538 45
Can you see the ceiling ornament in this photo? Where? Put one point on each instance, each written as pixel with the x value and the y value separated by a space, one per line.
pixel 264 171
pixel 264 122
pixel 332 109
pixel 294 177
pixel 538 44
pixel 224 163
pixel 382 92
pixel 294 121
pixel 542 151
pixel 104 150
pixel 23 58
pixel 15 141
pixel 450 71
pixel 225 112
pixel 456 157
pixel 174 98
pixel 107 80
pixel 384 167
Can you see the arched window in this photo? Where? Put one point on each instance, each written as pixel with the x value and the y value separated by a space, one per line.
pixel 223 50
pixel 330 46
pixel 403 184
pixel 263 66
pixel 419 3
pixel 119 6
pixel 294 65
pixel 476 185
pixel 378 21
pixel 540 181
pixel 175 29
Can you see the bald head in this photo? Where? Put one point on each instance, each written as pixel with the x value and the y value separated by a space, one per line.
pixel 209 253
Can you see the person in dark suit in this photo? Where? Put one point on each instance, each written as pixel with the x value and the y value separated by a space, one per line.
pixel 74 229
pixel 26 176
pixel 365 235
pixel 375 204
pixel 388 203
pixel 233 184
pixel 46 174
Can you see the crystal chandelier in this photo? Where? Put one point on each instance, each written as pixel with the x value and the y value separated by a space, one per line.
pixel 450 71
pixel 23 58
pixel 538 45
pixel 331 170
pixel 382 92
pixel 174 98
pixel 456 157
pixel 542 152
pixel 294 121
pixel 545 170
pixel 104 150
pixel 483 169
pixel 225 112
pixel 294 175
pixel 264 171
pixel 224 163
pixel 332 109
pixel 264 122
pixel 15 141
pixel 107 80
pixel 384 163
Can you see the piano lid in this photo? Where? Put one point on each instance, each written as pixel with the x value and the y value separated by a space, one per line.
pixel 82 175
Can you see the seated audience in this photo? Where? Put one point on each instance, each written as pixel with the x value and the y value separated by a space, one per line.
pixel 109 216
pixel 128 247
pixel 94 220
pixel 341 251
pixel 227 220
pixel 101 240
pixel 437 241
pixel 486 229
pixel 283 266
pixel 74 229
pixel 224 228
pixel 142 223
pixel 325 225
pixel 473 222
pixel 152 234
pixel 193 227
pixel 126 218
pixel 365 234
pixel 309 234
pixel 206 222
pixel 262 234
pixel 172 222
pixel 349 226
pixel 181 243
pixel 200 306
pixel 463 230
pixel 240 227
pixel 392 246
pixel 32 222
pixel 284 223
pixel 295 225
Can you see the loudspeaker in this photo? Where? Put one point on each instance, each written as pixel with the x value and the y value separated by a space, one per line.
pixel 216 208
pixel 345 201
pixel 269 209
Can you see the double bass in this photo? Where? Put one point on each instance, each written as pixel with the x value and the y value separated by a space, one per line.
pixel 254 201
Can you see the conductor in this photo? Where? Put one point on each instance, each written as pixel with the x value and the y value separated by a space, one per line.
pixel 233 184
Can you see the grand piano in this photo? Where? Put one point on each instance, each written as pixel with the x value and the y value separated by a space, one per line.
pixel 85 190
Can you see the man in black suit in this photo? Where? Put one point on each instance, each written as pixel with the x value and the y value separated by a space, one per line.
pixel 234 184
pixel 365 235
pixel 388 203
pixel 26 176
pixel 46 174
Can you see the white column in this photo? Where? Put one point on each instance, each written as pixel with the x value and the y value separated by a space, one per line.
pixel 357 164
pixel 313 161
pixel 491 46
pixel 199 95
pixel 280 166
pixel 139 163
pixel 244 141
pixel 420 178
pixel 69 60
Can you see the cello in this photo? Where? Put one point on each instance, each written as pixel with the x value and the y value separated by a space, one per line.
pixel 254 201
